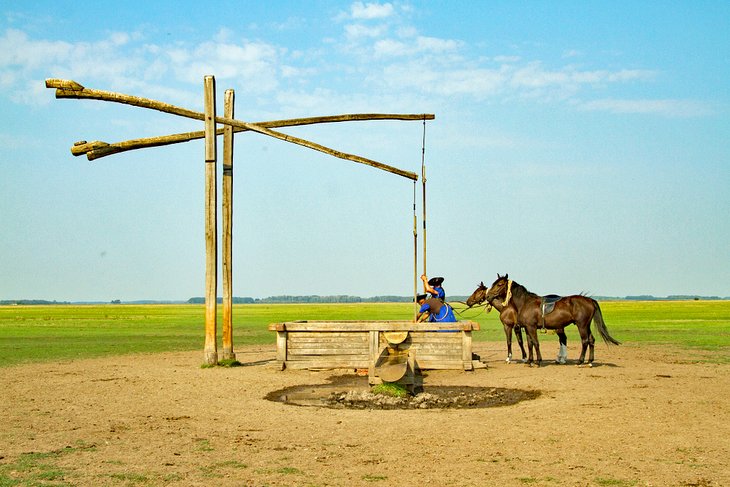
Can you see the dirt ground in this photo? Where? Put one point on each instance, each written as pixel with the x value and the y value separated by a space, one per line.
pixel 642 416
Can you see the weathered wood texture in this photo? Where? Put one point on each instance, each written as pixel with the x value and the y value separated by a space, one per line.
pixel 98 149
pixel 359 344
pixel 227 213
pixel 71 89
pixel 211 231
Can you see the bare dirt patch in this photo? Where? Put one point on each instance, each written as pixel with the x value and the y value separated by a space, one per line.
pixel 643 416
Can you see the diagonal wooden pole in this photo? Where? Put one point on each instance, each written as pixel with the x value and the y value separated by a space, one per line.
pixel 71 89
pixel 227 213
pixel 211 230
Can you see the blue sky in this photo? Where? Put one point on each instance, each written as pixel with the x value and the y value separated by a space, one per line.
pixel 579 146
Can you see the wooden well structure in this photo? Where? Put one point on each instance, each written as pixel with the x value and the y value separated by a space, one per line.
pixel 333 344
pixel 368 345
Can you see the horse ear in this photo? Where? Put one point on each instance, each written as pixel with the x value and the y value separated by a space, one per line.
pixel 481 284
pixel 498 276
pixel 506 276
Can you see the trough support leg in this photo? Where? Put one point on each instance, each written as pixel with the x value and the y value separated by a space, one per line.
pixel 466 350
pixel 374 350
pixel 281 349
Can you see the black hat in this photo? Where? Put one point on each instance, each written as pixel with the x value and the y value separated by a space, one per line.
pixel 435 281
pixel 420 297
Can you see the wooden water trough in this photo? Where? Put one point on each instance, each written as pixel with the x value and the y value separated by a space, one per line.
pixel 363 344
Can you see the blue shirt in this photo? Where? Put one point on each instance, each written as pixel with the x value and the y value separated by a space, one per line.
pixel 440 293
pixel 445 314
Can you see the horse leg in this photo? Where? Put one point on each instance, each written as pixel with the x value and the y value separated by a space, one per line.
pixel 537 350
pixel 508 334
pixel 584 339
pixel 518 333
pixel 591 345
pixel 529 347
pixel 563 352
pixel 532 342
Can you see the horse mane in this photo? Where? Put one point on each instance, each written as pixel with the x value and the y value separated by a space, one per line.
pixel 519 289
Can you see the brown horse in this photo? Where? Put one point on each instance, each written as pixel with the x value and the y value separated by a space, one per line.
pixel 508 317
pixel 577 309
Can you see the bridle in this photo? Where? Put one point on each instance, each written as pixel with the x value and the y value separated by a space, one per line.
pixel 487 307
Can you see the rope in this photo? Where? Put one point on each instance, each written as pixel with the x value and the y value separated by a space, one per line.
pixel 423 181
pixel 415 255
pixel 486 308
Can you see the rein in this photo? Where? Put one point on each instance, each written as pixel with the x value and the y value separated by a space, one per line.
pixel 487 308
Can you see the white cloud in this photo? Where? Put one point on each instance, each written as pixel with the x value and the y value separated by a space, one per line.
pixel 122 61
pixel 415 46
pixel 405 63
pixel 670 107
pixel 367 11
pixel 355 32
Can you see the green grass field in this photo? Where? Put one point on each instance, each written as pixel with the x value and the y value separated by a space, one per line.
pixel 45 333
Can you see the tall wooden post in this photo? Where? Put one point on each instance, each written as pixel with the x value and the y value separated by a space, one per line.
pixel 211 230
pixel 228 105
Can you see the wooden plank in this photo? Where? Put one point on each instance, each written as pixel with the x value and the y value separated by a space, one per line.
pixel 360 338
pixel 327 364
pixel 436 338
pixel 354 326
pixel 281 346
pixel 439 350
pixel 298 336
pixel 292 354
pixel 330 345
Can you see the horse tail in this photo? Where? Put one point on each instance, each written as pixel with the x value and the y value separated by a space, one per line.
pixel 601 325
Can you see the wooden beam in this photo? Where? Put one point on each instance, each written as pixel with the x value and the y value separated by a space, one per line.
pixel 211 230
pixel 98 149
pixel 71 89
pixel 227 213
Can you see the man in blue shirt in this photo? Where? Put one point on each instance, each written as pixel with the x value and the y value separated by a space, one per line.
pixel 433 287
pixel 436 310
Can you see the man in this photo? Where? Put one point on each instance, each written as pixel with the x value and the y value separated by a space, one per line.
pixel 433 287
pixel 434 309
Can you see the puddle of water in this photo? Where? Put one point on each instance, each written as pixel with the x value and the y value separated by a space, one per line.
pixel 349 394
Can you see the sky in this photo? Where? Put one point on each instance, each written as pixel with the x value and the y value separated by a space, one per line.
pixel 578 146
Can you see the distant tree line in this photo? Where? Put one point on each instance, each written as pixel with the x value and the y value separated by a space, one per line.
pixel 342 298
pixel 283 299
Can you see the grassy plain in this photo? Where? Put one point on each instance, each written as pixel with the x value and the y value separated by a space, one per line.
pixel 63 332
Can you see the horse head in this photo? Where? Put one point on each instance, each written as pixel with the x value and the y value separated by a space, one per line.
pixel 498 289
pixel 478 296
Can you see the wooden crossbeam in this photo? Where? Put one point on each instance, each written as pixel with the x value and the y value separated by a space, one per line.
pixel 72 89
pixel 98 149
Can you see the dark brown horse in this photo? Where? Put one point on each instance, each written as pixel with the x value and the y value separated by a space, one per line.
pixel 508 317
pixel 577 309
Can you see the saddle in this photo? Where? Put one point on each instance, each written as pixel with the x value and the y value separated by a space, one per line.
pixel 547 304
